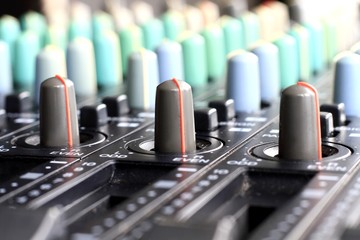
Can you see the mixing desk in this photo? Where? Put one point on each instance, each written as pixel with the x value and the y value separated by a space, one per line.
pixel 208 121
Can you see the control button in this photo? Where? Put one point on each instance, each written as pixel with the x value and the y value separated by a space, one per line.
pixel 18 103
pixel 170 60
pixel 102 21
pixel 302 38
pixel 36 23
pixel 268 56
pixel 317 55
pixel 116 106
pixel 9 32
pixel 174 24
pixel 233 34
pixel 206 120
pixel 27 47
pixel 131 39
pixel 300 133
pixel 57 36
pixel 5 72
pixel 80 22
pixel 327 125
pixel 215 52
pixel 251 24
pixel 2 122
pixel 143 77
pixel 346 85
pixel 58 115
pixel 93 116
pixel 243 81
pixel 108 59
pixel 80 62
pixel 289 69
pixel 174 118
pixel 225 109
pixel 153 32
pixel 50 61
pixel 337 111
pixel 194 53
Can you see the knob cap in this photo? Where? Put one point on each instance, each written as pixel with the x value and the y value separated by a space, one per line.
pixel 170 61
pixel 5 72
pixel 143 77
pixel 80 61
pixel 243 81
pixel 194 53
pixel 268 56
pixel 289 69
pixel 108 59
pixel 26 49
pixel 58 115
pixel 50 61
pixel 347 72
pixel 174 118
pixel 9 32
pixel 300 131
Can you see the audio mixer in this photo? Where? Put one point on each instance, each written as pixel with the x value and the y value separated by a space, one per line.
pixel 212 120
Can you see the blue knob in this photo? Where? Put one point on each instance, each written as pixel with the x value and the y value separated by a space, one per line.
pixel 268 55
pixel 170 61
pixel 243 81
pixel 347 84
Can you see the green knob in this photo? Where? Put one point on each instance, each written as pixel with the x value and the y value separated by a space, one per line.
pixel 108 59
pixel 79 28
pixel 289 73
pixel 27 47
pixel 251 26
pixel 153 32
pixel 9 32
pixel 194 55
pixel 56 36
pixel 330 42
pixel 36 22
pixel 131 40
pixel 302 38
pixel 317 56
pixel 174 24
pixel 215 52
pixel 233 34
pixel 101 21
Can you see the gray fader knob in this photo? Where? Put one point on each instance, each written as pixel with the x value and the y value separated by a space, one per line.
pixel 300 132
pixel 174 118
pixel 58 116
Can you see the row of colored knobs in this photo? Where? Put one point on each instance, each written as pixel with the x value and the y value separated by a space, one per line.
pixel 108 57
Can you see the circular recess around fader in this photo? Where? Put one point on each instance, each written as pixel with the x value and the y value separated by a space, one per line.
pixel 174 124
pixel 58 119
pixel 300 130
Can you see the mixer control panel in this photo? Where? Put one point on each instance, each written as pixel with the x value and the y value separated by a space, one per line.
pixel 211 120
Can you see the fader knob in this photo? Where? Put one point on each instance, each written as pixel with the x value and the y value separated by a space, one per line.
pixel 300 133
pixel 174 118
pixel 58 116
